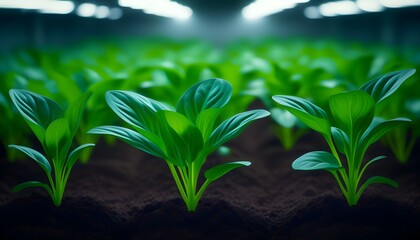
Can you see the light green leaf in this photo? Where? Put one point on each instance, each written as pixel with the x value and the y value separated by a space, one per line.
pixel 58 140
pixel 35 155
pixel 352 111
pixel 206 119
pixel 74 112
pixel 305 111
pixel 130 137
pixel 218 171
pixel 283 118
pixel 317 160
pixel 134 108
pixel 383 86
pixel 211 93
pixel 38 111
pixel 31 184
pixel 75 154
pixel 341 140
pixel 233 126
pixel 380 127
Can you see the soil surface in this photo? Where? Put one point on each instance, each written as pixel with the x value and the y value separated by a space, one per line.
pixel 123 193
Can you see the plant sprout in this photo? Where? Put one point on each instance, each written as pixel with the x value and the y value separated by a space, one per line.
pixel 183 137
pixel 350 130
pixel 55 129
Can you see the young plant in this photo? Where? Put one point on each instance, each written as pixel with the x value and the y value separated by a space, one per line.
pixel 184 137
pixel 55 130
pixel 351 129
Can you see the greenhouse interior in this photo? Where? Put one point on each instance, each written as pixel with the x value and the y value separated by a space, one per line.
pixel 306 112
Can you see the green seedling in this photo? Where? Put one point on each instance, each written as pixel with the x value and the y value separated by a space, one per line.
pixel 55 129
pixel 351 129
pixel 183 137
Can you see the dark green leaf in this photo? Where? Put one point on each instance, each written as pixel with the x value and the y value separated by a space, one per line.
pixel 75 154
pixel 130 137
pixel 35 155
pixel 315 161
pixel 352 111
pixel 383 86
pixel 134 108
pixel 218 171
pixel 38 111
pixel 233 126
pixel 380 127
pixel 211 93
pixel 30 184
pixel 376 180
pixel 341 140
pixel 305 111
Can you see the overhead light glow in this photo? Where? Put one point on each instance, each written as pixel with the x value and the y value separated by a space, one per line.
pixel 164 8
pixel 115 13
pixel 102 12
pixel 346 7
pixel 312 13
pixel 43 6
pixel 86 10
pixel 399 3
pixel 370 5
pixel 262 8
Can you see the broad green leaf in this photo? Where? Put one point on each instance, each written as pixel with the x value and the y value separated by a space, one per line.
pixel 35 155
pixel 352 111
pixel 31 184
pixel 383 86
pixel 58 140
pixel 376 180
pixel 206 119
pixel 74 112
pixel 315 161
pixel 133 108
pixel 380 127
pixel 211 93
pixel 38 111
pixel 369 163
pixel 218 171
pixel 233 126
pixel 305 111
pixel 189 133
pixel 75 154
pixel 130 137
pixel 341 140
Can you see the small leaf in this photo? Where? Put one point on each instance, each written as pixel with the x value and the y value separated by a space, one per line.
pixel 283 118
pixel 35 155
pixel 380 127
pixel 38 111
pixel 211 93
pixel 376 180
pixel 31 184
pixel 233 126
pixel 58 140
pixel 315 161
pixel 130 137
pixel 341 140
pixel 383 86
pixel 305 111
pixel 74 112
pixel 134 108
pixel 75 154
pixel 352 111
pixel 206 119
pixel 218 171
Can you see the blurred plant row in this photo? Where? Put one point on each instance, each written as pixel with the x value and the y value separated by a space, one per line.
pixel 165 69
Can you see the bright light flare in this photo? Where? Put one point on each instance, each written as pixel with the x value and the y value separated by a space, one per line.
pixel 346 7
pixel 262 8
pixel 399 3
pixel 43 6
pixel 370 5
pixel 163 8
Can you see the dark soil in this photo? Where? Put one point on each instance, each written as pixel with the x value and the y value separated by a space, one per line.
pixel 123 193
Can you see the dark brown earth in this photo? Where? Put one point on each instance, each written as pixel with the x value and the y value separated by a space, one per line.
pixel 123 193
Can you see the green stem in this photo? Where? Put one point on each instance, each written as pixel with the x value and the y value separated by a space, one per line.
pixel 178 183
